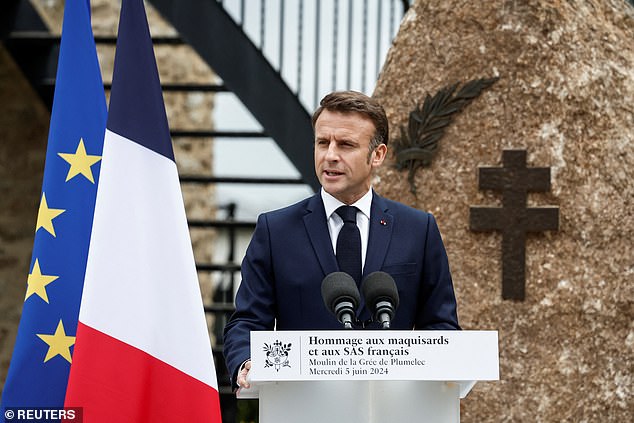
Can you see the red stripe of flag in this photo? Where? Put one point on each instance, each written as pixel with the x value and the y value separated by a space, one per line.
pixel 128 385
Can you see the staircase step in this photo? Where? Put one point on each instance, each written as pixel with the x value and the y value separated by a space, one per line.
pixel 49 38
pixel 219 308
pixel 156 40
pixel 239 180
pixel 185 87
pixel 194 133
pixel 213 267
pixel 221 224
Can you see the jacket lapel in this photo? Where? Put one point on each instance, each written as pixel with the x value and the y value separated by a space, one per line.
pixel 381 225
pixel 317 228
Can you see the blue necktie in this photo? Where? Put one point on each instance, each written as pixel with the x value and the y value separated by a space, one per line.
pixel 349 243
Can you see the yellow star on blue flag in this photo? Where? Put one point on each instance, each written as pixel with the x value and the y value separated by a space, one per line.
pixel 58 343
pixel 80 162
pixel 37 282
pixel 46 215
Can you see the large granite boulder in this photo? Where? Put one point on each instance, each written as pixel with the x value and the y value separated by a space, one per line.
pixel 565 96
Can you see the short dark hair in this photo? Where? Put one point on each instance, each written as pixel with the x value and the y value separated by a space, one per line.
pixel 356 102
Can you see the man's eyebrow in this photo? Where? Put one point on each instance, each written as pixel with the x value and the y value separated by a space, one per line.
pixel 348 140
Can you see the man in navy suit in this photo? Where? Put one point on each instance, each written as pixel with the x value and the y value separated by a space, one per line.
pixel 294 248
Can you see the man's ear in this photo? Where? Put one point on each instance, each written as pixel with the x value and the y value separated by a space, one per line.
pixel 378 155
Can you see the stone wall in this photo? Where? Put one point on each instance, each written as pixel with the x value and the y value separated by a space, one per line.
pixel 565 94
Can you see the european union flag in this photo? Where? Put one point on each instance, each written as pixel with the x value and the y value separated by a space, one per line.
pixel 38 373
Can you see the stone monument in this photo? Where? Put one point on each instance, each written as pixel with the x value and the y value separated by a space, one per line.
pixel 542 161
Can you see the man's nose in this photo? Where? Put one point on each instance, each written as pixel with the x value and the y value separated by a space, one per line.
pixel 332 154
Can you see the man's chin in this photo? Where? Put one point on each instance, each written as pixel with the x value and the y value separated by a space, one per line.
pixel 332 184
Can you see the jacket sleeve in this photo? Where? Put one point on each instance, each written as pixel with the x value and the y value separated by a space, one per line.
pixel 255 299
pixel 436 301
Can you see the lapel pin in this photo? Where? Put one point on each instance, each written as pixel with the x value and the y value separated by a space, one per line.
pixel 383 222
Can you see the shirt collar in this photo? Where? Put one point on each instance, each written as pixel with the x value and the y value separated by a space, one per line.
pixel 331 204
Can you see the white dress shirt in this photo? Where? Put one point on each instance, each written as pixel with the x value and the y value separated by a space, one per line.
pixel 335 222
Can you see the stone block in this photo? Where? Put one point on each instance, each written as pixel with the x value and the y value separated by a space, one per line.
pixel 564 95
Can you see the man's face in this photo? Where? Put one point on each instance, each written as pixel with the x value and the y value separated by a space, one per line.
pixel 343 161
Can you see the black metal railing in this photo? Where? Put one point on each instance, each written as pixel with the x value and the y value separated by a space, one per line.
pixel 320 46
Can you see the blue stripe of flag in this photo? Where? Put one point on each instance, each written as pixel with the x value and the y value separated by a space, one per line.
pixel 137 111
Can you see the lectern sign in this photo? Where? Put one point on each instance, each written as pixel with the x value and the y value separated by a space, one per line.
pixel 374 355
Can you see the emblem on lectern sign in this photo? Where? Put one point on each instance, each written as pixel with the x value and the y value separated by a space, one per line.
pixel 277 355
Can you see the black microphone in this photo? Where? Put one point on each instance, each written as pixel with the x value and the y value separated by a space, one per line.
pixel 381 297
pixel 341 296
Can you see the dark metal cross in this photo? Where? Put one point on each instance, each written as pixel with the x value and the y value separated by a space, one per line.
pixel 514 219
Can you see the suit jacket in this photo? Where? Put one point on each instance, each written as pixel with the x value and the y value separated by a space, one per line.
pixel 291 253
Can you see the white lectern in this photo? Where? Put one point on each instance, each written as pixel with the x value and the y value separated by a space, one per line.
pixel 368 376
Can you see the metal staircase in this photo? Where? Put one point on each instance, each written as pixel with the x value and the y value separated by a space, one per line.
pixel 277 58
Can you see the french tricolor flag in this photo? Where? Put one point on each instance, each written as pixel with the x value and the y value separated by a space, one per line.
pixel 142 351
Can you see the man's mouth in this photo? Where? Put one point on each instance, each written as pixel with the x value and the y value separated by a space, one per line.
pixel 332 172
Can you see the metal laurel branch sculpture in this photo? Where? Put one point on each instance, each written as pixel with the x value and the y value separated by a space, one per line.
pixel 418 145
